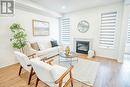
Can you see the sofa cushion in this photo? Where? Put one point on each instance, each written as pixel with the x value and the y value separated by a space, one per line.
pixel 48 52
pixel 41 46
pixel 54 43
pixel 35 46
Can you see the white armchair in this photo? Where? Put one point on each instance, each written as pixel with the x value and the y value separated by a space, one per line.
pixel 52 75
pixel 24 64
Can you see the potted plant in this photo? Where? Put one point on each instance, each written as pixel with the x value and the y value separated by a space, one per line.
pixel 18 36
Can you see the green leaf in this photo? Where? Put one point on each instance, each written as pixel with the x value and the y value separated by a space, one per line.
pixel 19 36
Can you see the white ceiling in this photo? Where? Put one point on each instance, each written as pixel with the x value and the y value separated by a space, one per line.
pixel 67 6
pixel 127 1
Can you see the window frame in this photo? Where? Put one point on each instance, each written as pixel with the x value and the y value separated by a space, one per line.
pixel 61 38
pixel 114 29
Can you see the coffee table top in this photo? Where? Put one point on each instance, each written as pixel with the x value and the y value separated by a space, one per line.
pixel 72 55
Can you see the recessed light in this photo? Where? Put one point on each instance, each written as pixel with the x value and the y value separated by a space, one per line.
pixel 63 7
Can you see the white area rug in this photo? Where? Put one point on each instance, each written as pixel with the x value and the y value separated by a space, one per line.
pixel 84 71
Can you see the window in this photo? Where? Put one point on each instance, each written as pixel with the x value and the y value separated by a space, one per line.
pixel 128 34
pixel 65 30
pixel 108 29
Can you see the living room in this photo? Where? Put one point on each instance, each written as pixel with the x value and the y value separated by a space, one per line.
pixel 87 39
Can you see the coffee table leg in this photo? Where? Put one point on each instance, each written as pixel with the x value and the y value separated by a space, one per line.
pixel 59 59
pixel 71 61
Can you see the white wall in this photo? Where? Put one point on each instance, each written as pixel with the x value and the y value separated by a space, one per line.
pixel 93 16
pixel 25 19
pixel 123 39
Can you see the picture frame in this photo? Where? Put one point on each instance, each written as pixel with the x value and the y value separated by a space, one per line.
pixel 40 28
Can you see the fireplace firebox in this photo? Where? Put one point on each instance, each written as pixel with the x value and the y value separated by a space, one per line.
pixel 82 47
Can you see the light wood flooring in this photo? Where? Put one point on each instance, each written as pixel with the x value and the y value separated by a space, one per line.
pixel 110 74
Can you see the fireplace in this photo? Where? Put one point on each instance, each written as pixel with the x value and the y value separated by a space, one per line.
pixel 82 47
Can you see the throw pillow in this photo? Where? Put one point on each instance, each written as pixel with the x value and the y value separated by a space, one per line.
pixel 35 46
pixel 54 43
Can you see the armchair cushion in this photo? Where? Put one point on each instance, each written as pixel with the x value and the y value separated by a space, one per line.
pixel 49 73
pixel 57 71
pixel 23 60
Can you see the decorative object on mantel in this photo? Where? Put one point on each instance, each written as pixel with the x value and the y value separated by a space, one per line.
pixel 40 28
pixel 83 26
pixel 18 36
pixel 91 54
pixel 67 51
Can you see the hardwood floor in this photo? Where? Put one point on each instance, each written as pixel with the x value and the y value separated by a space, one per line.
pixel 110 74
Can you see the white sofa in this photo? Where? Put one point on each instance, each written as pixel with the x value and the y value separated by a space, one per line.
pixel 45 50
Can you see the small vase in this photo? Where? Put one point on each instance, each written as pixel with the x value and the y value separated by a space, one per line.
pixel 67 51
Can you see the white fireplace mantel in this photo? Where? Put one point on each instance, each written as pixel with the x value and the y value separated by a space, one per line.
pixel 83 39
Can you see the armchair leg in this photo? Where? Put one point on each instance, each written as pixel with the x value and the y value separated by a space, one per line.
pixel 20 70
pixel 60 84
pixel 30 76
pixel 71 82
pixel 71 79
pixel 37 82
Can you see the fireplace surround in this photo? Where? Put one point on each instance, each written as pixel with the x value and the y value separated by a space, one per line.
pixel 82 45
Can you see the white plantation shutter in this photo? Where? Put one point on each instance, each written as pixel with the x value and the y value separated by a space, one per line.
pixel 65 30
pixel 107 31
pixel 128 34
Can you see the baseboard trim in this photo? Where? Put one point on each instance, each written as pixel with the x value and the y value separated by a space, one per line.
pixel 8 65
pixel 107 58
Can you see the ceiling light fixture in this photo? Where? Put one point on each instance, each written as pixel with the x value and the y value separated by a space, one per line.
pixel 63 7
